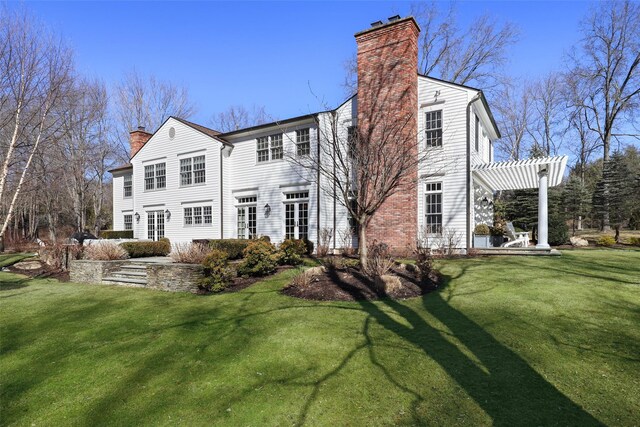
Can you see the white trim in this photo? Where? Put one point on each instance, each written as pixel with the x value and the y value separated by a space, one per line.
pixel 520 174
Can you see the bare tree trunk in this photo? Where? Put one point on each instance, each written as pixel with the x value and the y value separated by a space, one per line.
pixel 363 250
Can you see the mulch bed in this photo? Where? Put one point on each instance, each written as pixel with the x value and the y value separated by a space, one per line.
pixel 36 269
pixel 349 284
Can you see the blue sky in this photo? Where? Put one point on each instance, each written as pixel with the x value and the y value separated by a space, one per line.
pixel 283 55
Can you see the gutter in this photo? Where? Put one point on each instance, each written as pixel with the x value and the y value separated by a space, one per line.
pixel 469 181
pixel 221 194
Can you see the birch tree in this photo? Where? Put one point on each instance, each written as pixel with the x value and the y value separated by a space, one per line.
pixel 35 69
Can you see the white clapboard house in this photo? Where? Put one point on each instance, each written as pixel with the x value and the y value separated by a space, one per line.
pixel 186 181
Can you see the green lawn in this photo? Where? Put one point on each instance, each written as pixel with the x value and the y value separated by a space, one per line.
pixel 508 341
pixel 10 259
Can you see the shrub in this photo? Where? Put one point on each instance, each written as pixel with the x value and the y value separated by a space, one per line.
pixel 379 260
pixel 292 251
pixel 482 230
pixel 57 255
pixel 309 246
pixel 217 272
pixel 265 239
pixel 325 236
pixel 146 249
pixel 558 230
pixel 233 247
pixel 606 241
pixel 189 253
pixel 105 251
pixel 424 262
pixel 333 263
pixel 116 234
pixel 260 259
pixel 302 280
pixel 635 241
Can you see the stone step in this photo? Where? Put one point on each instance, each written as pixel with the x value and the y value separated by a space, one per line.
pixel 130 273
pixel 124 281
pixel 132 266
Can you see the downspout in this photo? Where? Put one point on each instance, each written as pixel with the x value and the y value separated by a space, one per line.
pixel 317 120
pixel 335 224
pixel 469 181
pixel 221 194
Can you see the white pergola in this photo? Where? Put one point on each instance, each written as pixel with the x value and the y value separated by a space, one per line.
pixel 539 173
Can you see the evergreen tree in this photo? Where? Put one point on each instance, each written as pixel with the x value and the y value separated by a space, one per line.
pixel 576 200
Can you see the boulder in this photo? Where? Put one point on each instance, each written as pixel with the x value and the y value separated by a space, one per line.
pixel 578 241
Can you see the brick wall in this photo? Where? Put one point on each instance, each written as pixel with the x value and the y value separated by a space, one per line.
pixel 387 95
pixel 137 139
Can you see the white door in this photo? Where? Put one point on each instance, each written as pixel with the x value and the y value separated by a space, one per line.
pixel 296 220
pixel 155 225
pixel 247 222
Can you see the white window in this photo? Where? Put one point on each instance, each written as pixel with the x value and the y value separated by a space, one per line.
pixel 477 134
pixel 433 207
pixel 127 186
pixel 192 171
pixel 269 148
pixel 155 177
pixel 352 139
pixel 198 216
pixel 128 222
pixel 303 142
pixel 433 128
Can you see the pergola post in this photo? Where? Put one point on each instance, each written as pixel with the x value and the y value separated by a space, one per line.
pixel 543 210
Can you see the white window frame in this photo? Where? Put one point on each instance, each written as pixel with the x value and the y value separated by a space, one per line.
pixel 296 198
pixel 155 179
pixel 441 128
pixel 303 144
pixel 127 184
pixel 266 151
pixel 191 176
pixel 427 192
pixel 245 202
pixel 197 216
pixel 125 222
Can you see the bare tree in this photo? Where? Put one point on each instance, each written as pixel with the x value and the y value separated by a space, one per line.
pixel 608 69
pixel 547 125
pixel 514 117
pixel 35 70
pixel 238 117
pixel 147 101
pixel 470 56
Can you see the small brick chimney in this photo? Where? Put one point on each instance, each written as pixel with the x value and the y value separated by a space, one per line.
pixel 388 92
pixel 137 138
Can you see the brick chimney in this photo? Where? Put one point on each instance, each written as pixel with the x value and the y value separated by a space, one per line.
pixel 137 138
pixel 388 93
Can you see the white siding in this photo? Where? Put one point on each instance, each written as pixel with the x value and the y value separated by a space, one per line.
pixel 187 142
pixel 268 181
pixel 449 162
pixel 121 205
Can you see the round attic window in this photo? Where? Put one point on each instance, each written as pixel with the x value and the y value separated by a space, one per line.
pixel 172 132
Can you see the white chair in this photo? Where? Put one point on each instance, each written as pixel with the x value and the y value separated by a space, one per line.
pixel 516 238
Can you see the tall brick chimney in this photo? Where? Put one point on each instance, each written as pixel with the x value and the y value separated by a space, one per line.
pixel 137 138
pixel 387 93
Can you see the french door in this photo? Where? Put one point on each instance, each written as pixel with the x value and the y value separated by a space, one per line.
pixel 155 225
pixel 247 222
pixel 296 220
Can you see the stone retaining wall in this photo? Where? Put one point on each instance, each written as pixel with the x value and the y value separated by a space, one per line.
pixel 174 277
pixel 92 272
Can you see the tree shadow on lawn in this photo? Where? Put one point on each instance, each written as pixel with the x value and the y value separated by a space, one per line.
pixel 511 392
pixel 12 281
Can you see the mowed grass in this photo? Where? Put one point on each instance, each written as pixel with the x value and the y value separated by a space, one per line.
pixel 508 341
pixel 9 259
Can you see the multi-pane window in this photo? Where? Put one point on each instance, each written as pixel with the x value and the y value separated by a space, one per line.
pixel 433 207
pixel 198 216
pixel 433 128
pixel 192 171
pixel 299 195
pixel 269 148
pixel 128 222
pixel 263 149
pixel 303 142
pixel 155 177
pixel 128 186
pixel 352 138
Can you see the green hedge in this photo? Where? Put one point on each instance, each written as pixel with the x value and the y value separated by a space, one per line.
pixel 233 247
pixel 116 234
pixel 146 249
